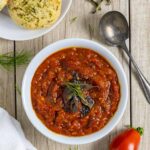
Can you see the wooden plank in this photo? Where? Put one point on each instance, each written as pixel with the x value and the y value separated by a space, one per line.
pixel 79 28
pixel 7 98
pixel 29 130
pixel 140 44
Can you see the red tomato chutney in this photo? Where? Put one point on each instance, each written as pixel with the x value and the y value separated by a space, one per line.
pixel 71 115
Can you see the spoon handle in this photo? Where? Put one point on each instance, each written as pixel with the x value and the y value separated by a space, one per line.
pixel 145 85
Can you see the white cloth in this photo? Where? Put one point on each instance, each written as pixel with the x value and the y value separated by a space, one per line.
pixel 11 134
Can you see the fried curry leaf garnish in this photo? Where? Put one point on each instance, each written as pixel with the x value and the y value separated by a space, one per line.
pixel 74 93
pixel 76 90
pixel 84 111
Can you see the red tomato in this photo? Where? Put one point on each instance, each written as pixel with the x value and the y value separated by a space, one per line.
pixel 127 140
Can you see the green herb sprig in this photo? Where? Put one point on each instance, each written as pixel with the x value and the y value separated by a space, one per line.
pixel 76 89
pixel 9 60
pixel 76 96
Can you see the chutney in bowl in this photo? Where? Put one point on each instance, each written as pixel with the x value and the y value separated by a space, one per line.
pixel 74 91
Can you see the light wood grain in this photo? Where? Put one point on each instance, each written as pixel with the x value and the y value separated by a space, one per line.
pixel 7 96
pixel 140 44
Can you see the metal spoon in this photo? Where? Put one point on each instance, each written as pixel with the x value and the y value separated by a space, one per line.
pixel 115 31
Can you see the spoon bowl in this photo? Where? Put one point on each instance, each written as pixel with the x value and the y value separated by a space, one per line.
pixel 115 31
pixel 114 28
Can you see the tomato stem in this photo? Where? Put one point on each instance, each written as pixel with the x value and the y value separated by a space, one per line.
pixel 140 130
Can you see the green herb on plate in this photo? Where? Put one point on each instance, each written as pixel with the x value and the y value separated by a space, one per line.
pixel 10 59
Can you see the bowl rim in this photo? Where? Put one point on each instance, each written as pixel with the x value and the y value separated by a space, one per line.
pixel 45 30
pixel 40 57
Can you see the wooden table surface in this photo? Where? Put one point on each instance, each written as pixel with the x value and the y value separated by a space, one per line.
pixel 137 112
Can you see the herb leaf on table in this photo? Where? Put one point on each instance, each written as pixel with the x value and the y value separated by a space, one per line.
pixel 10 59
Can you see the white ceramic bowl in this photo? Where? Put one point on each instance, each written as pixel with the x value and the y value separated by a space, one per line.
pixel 40 57
pixel 9 30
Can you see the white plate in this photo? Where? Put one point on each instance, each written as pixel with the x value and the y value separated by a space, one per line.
pixel 9 30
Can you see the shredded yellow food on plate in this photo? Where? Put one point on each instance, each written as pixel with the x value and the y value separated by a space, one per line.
pixel 34 14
